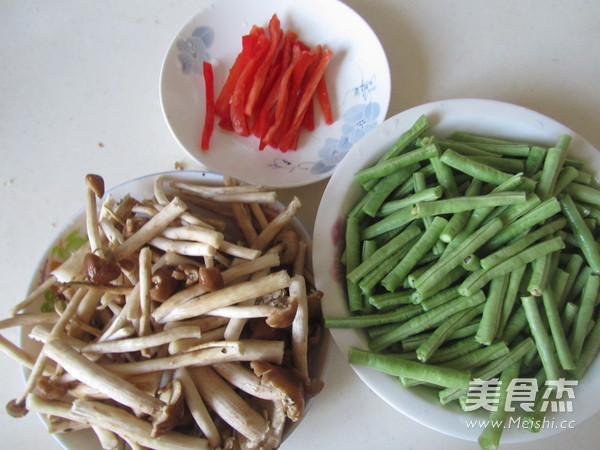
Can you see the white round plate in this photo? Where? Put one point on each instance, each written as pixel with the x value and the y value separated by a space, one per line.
pixel 143 188
pixel 485 117
pixel 358 81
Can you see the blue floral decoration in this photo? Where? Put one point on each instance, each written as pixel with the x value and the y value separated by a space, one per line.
pixel 193 51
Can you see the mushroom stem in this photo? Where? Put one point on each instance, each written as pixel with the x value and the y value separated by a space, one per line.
pixel 152 228
pixel 277 224
pixel 129 426
pixel 101 379
pixel 227 404
pixel 205 354
pixel 198 408
pixel 300 326
pixel 229 295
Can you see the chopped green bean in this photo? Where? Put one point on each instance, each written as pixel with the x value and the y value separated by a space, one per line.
pixel 381 301
pixel 557 332
pixel 582 233
pixel 479 357
pixel 510 298
pixel 537 215
pixel 396 163
pixel 384 187
pixel 428 194
pixel 543 343
pixel 492 311
pixel 584 315
pixel 383 253
pixel 393 365
pixel 539 275
pixel 589 351
pixel 583 193
pixel 553 164
pixel 444 177
pixel 426 320
pixel 474 168
pixel 353 254
pixel 392 222
pixel 396 276
pixel 534 160
pixel 478 279
pixel 458 204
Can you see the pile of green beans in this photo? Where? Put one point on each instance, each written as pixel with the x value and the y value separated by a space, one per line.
pixel 473 257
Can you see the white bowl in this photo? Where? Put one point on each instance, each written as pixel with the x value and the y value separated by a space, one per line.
pixel 358 80
pixel 142 188
pixel 492 118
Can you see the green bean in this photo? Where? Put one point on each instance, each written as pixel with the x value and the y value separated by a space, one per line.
pixel 490 370
pixel 588 352
pixel 355 298
pixel 533 420
pixel 438 298
pixel 465 136
pixel 511 213
pixel 583 193
pixel 463 148
pixel 492 312
pixel 372 279
pixel 583 177
pixel 384 187
pixel 443 332
pixel 474 168
pixel 543 343
pixel 480 356
pixel 573 268
pixel 383 253
pixel 457 221
pixel 455 350
pixel 582 233
pixel 534 160
pixel 471 263
pixel 393 365
pixel 584 315
pixel 510 298
pixel 478 279
pixel 426 320
pixel 401 270
pixel 537 215
pixel 395 163
pixel 381 301
pixel 553 164
pixel 568 317
pixel 584 273
pixel 420 126
pixel 508 165
pixel 539 275
pixel 367 320
pixel 469 246
pixel 444 177
pixel 563 141
pixel 490 437
pixel 407 312
pixel 411 343
pixel 392 222
pixel 428 194
pixel 419 186
pixel 516 324
pixel 458 204
pixel 557 332
pixel 567 175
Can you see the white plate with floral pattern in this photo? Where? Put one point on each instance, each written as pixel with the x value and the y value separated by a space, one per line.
pixel 358 81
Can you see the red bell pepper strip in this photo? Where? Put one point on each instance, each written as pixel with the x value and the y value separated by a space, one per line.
pixel 311 85
pixel 275 35
pixel 324 102
pixel 209 117
pixel 242 86
pixel 248 45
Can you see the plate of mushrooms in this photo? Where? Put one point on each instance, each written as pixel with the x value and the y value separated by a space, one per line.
pixel 177 309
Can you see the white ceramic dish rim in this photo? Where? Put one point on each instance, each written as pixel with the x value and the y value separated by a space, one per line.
pixel 325 146
pixel 141 187
pixel 483 116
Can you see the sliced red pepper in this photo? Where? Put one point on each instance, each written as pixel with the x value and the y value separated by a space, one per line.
pixel 242 86
pixel 275 35
pixel 209 117
pixel 324 102
pixel 309 118
pixel 248 47
pixel 309 89
pixel 282 98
